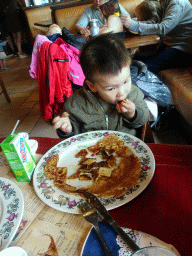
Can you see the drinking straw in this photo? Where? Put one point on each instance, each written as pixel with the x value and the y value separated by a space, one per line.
pixel 15 127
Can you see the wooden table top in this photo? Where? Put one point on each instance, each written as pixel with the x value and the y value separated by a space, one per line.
pixel 135 41
pixel 163 209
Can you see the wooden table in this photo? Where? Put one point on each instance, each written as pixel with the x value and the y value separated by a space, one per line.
pixel 135 41
pixel 164 208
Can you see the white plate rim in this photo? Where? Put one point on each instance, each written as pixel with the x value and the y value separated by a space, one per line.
pixel 40 180
pixel 14 202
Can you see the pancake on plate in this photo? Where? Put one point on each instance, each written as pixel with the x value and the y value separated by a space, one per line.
pixel 111 166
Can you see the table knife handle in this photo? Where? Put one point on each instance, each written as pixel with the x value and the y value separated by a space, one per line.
pixel 125 237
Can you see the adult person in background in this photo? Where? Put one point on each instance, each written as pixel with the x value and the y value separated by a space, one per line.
pixel 149 11
pixel 175 30
pixel 7 38
pixel 93 12
pixel 11 22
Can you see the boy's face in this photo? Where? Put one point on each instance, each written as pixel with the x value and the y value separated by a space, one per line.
pixel 112 88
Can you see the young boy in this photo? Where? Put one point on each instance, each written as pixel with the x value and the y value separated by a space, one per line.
pixel 108 100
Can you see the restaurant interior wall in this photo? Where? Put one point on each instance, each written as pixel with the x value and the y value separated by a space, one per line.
pixel 37 3
pixel 36 15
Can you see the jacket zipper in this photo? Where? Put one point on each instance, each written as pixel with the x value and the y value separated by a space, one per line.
pixel 61 60
pixel 106 116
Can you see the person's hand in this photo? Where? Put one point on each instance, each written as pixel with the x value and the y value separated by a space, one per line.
pixel 63 123
pixel 127 108
pixel 126 20
pixel 84 31
pixel 104 29
pixel 103 26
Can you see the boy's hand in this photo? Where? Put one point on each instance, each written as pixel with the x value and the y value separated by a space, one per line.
pixel 126 20
pixel 63 123
pixel 127 108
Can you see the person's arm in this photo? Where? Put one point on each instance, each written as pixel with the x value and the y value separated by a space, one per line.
pixel 81 26
pixel 141 109
pixel 66 125
pixel 82 30
pixel 63 123
pixel 167 24
pixel 64 135
pixel 127 108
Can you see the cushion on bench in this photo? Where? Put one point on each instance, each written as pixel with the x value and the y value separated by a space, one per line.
pixel 179 82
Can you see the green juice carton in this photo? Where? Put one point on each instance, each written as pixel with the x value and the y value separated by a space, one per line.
pixel 16 148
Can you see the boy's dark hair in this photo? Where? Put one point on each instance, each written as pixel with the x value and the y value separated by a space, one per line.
pixel 106 54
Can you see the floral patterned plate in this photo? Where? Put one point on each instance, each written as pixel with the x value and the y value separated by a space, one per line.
pixel 59 200
pixel 11 211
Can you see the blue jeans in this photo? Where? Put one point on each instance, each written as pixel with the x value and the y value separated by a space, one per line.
pixel 167 59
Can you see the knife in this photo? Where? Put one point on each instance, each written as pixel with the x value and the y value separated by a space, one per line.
pixel 92 199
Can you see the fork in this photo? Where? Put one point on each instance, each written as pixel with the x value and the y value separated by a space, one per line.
pixel 91 215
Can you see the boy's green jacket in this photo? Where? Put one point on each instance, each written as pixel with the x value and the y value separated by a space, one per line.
pixel 89 113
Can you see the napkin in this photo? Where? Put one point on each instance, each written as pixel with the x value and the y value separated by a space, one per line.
pixel 93 246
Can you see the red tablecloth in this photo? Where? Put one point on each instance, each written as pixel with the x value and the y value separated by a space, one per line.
pixel 164 208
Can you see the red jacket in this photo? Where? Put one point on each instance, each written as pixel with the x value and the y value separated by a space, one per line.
pixel 53 82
